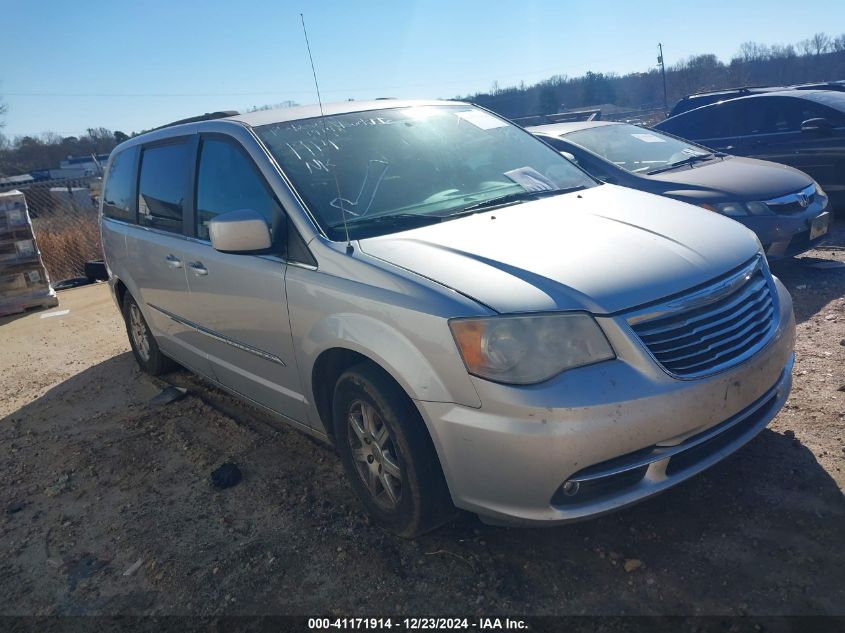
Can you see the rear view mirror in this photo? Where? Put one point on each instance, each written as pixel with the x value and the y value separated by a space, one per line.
pixel 815 125
pixel 568 156
pixel 242 231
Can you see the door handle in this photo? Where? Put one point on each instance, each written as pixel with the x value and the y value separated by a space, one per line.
pixel 173 261
pixel 198 268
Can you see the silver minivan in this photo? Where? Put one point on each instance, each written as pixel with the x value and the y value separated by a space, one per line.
pixel 470 319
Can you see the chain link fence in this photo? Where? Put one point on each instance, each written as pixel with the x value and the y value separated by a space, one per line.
pixel 64 220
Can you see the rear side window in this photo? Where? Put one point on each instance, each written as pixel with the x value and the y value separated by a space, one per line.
pixel 228 181
pixel 716 121
pixel 785 114
pixel 120 187
pixel 162 188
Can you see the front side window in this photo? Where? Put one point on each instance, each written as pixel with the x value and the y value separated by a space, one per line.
pixel 783 114
pixel 162 189
pixel 120 186
pixel 633 148
pixel 227 181
pixel 830 105
pixel 393 168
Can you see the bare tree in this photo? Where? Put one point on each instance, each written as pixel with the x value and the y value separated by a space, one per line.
pixel 753 51
pixel 779 51
pixel 3 109
pixel 51 138
pixel 821 43
pixel 838 44
pixel 816 45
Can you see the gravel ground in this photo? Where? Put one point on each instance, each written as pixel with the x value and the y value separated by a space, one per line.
pixel 107 506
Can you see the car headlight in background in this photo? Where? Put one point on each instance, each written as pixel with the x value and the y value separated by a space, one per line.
pixel 529 349
pixel 738 209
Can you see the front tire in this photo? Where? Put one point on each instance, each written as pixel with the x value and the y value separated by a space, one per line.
pixel 387 453
pixel 143 343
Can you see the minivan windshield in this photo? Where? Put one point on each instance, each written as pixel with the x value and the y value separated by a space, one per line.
pixel 636 149
pixel 398 168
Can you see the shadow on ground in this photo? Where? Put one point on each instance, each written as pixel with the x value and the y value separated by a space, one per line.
pixel 98 480
pixel 811 287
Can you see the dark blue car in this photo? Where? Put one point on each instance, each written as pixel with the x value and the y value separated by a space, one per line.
pixel 804 129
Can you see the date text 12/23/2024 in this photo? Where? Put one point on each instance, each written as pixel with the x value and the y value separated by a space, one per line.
pixel 414 624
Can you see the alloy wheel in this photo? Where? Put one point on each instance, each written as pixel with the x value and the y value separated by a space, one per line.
pixel 139 332
pixel 374 454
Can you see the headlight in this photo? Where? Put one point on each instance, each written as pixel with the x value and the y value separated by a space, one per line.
pixel 739 209
pixel 529 349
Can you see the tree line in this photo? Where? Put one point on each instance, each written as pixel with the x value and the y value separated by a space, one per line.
pixel 818 58
pixel 26 153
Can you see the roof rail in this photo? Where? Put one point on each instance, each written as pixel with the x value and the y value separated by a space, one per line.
pixel 208 116
pixel 743 89
pixel 820 85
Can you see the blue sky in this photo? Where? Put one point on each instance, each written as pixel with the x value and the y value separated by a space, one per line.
pixel 129 65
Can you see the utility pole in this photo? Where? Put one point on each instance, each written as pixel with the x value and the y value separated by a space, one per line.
pixel 663 73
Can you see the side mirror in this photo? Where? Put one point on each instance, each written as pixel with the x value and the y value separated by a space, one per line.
pixel 242 231
pixel 816 125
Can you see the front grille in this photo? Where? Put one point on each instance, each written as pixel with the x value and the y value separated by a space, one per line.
pixel 793 202
pixel 786 208
pixel 712 329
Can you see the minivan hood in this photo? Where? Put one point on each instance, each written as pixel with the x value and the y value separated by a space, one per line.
pixel 603 249
pixel 734 179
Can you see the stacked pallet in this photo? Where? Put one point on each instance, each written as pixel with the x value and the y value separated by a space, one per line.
pixel 23 279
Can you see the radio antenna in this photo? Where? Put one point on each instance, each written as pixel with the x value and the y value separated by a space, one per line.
pixel 326 134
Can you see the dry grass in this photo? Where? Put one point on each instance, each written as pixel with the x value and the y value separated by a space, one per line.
pixel 66 242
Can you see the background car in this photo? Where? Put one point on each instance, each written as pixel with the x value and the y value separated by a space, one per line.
pixel 699 99
pixel 787 210
pixel 801 128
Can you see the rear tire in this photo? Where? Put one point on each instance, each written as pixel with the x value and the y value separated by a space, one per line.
pixel 143 343
pixel 387 453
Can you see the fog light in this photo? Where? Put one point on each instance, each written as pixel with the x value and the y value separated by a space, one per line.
pixel 570 488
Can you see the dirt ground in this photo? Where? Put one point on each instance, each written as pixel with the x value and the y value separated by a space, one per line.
pixel 106 505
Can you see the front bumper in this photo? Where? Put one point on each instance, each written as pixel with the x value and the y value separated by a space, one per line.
pixel 623 430
pixel 787 235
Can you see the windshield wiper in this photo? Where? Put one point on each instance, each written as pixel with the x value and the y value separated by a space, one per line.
pixel 398 219
pixel 687 161
pixel 513 198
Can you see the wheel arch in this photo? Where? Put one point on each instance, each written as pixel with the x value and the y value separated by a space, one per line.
pixel 120 290
pixel 412 358
pixel 327 369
